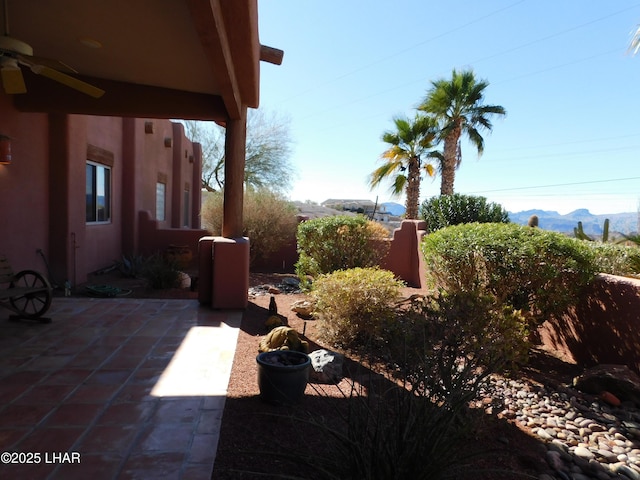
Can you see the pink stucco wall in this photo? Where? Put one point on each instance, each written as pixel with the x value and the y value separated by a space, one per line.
pixel 43 191
pixel 604 327
pixel 24 188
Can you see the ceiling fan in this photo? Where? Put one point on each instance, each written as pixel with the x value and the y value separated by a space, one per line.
pixel 15 53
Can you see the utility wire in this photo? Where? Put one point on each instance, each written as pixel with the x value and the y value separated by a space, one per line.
pixel 557 185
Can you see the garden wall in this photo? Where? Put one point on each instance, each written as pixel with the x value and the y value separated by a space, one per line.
pixel 604 328
pixel 404 258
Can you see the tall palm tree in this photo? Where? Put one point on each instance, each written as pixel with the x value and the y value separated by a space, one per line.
pixel 634 46
pixel 403 159
pixel 457 105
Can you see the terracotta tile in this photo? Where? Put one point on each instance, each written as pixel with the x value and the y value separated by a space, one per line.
pixel 135 393
pixel 24 377
pixel 197 472
pixel 9 392
pixel 152 465
pixel 11 435
pixel 74 414
pixel 183 410
pixel 166 438
pixel 121 361
pixel 127 413
pixel 24 415
pixel 203 449
pixel 49 362
pixel 145 376
pixel 109 377
pixel 94 394
pixel 109 438
pixel 93 466
pixel 214 402
pixel 50 394
pixel 68 376
pixel 210 421
pixel 35 471
pixel 51 439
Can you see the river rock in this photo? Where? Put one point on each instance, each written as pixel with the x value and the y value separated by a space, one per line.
pixel 327 366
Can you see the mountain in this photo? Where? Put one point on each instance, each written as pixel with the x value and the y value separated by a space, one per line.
pixel 394 208
pixel 592 224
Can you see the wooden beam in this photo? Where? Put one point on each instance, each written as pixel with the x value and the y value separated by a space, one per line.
pixel 209 23
pixel 121 100
pixel 271 55
pixel 234 149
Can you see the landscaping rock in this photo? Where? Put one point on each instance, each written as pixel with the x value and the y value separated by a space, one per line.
pixel 327 366
pixel 304 308
pixel 618 380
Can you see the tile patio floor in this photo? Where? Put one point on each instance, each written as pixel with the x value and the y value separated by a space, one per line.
pixel 134 388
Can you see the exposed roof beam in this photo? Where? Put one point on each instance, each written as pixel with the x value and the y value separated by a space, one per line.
pixel 271 55
pixel 210 26
pixel 121 100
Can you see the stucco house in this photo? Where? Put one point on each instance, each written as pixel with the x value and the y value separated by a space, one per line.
pixel 92 167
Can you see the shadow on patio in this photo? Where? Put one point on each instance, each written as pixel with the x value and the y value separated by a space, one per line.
pixel 127 388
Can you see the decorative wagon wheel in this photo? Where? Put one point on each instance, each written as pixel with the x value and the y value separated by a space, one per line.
pixel 37 297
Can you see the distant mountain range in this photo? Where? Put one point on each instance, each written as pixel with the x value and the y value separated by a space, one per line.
pixel 592 224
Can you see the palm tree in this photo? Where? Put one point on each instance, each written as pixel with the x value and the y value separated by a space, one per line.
pixel 457 105
pixel 410 141
pixel 634 46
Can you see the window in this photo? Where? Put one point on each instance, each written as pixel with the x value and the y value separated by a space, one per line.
pixel 98 194
pixel 185 208
pixel 161 189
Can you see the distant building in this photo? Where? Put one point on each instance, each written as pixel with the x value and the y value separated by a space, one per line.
pixel 372 210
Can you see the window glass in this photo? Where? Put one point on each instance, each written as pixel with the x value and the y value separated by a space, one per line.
pixel 185 209
pixel 160 201
pixel 98 193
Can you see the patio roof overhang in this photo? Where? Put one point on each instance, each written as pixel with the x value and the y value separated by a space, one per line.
pixel 195 59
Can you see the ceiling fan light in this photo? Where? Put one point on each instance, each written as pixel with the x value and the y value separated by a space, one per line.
pixel 12 79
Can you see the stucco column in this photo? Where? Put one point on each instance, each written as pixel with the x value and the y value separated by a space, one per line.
pixel 234 149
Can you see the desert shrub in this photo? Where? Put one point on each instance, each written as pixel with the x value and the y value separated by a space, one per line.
pixel 161 272
pixel 538 271
pixel 355 305
pixel 447 210
pixel 269 220
pixel 339 242
pixel 616 259
pixel 447 345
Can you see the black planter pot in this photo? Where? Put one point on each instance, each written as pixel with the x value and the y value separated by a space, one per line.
pixel 283 376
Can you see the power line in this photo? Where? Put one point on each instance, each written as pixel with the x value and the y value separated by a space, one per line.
pixel 557 185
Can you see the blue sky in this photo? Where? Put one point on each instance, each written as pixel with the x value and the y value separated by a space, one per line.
pixel 571 137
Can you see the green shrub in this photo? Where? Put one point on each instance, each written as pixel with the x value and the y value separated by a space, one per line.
pixel 538 271
pixel 161 272
pixel 615 259
pixel 446 346
pixel 447 210
pixel 269 220
pixel 339 242
pixel 355 305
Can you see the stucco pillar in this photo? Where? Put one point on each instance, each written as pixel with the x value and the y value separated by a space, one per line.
pixel 59 197
pixel 234 149
pixel 223 262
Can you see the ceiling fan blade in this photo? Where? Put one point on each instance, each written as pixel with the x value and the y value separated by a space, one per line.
pixel 12 79
pixel 67 80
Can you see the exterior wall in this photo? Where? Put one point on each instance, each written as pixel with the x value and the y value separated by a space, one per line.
pixel 24 188
pixel 43 191
pixel 603 328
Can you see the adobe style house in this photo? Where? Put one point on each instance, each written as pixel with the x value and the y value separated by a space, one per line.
pixel 105 181
pixel 96 175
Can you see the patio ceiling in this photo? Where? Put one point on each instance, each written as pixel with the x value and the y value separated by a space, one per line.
pixel 192 59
